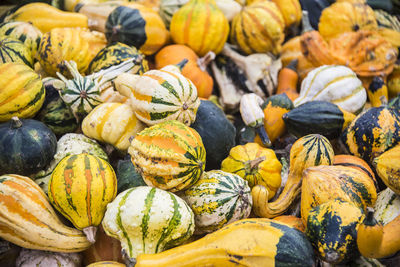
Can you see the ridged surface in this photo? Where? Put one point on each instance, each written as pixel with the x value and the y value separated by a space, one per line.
pixel 13 50
pixel 387 206
pixel 291 11
pixel 388 169
pixel 40 258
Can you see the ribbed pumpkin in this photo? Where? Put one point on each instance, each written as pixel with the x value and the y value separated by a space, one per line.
pixel 148 220
pixel 112 123
pixel 388 169
pixel 21 91
pixel 39 258
pixel 291 12
pixel 217 199
pixel 201 25
pixel 13 50
pixel 169 155
pixel 258 28
pixel 80 188
pixel 25 209
pixel 255 164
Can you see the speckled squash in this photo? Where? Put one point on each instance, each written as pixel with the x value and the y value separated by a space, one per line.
pixel 13 50
pixel 388 169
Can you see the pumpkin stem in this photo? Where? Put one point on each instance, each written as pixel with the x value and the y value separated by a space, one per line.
pixel 15 122
pixel 204 61
pixel 90 233
pixel 305 20
pixel 182 64
pixel 255 162
pixel 263 136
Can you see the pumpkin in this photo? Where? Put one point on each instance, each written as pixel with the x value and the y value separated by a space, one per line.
pixel 168 155
pixel 127 176
pixel 38 258
pixel 148 220
pixel 249 242
pixel 13 50
pixel 310 150
pixel 26 146
pixel 22 88
pixel 393 82
pixel 291 220
pixel 354 162
pixel 26 209
pixel 255 164
pixel 387 167
pixel 291 13
pixel 258 28
pixel 387 206
pixel 372 132
pixel 190 26
pixel 80 188
pixel 331 228
pixel 287 80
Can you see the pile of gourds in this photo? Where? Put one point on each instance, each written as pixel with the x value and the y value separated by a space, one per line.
pixel 199 133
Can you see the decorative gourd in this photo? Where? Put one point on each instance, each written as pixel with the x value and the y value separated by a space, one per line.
pixel 148 220
pixel 258 28
pixel 191 25
pixel 168 155
pixel 137 26
pixel 26 146
pixel 314 9
pixel 336 84
pixel 23 31
pixel 354 162
pixel 385 20
pixel 217 199
pixel 324 183
pixel 319 117
pixel 23 89
pixel 127 176
pixel 25 209
pixel 393 82
pixel 291 13
pixel 372 132
pixel 331 228
pixel 388 169
pixel 216 131
pixel 287 80
pixel 160 95
pixel 387 206
pixel 39 258
pixel 310 150
pixel 106 264
pixel 250 242
pixel 377 92
pixel 112 123
pixel 13 50
pixel 291 220
pixel 80 188
pixel 255 164
pixel 195 70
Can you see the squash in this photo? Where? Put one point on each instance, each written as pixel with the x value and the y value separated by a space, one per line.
pixel 168 155
pixel 387 167
pixel 291 13
pixel 127 176
pixel 372 132
pixel 331 228
pixel 13 50
pixel 158 221
pixel 190 26
pixel 80 188
pixel 106 264
pixel 195 70
pixel 258 28
pixel 319 117
pixel 217 199
pixel 393 82
pixel 38 258
pixel 112 123
pixel 249 242
pixel 314 9
pixel 160 95
pixel 255 164
pixel 354 162
pixel 377 92
pixel 387 206
pixel 25 208
pixel 291 220
pixel 21 91
pixel 287 80
pixel 26 146
pixel 310 150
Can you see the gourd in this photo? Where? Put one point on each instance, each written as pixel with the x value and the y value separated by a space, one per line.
pixel 387 167
pixel 13 50
pixel 386 206
pixel 291 220
pixel 217 199
pixel 160 95
pixel 23 89
pixel 310 150
pixel 38 258
pixel 148 220
pixel 393 82
pixel 256 165
pixel 26 146
pixel 80 188
pixel 377 91
pixel 24 207
pixel 314 9
pixel 112 123
pixel 354 162
pixel 287 80
pixel 127 176
pixel 168 155
pixel 191 25
pixel 291 13
pixel 249 242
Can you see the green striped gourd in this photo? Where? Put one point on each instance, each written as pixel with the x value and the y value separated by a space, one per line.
pixel 13 50
pixel 217 199
pixel 336 84
pixel 23 31
pixel 169 155
pixel 80 188
pixel 168 9
pixel 148 220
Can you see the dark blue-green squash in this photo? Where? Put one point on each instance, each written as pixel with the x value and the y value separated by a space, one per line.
pixel 127 176
pixel 314 8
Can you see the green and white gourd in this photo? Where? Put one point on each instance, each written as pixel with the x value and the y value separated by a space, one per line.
pixel 387 206
pixel 217 199
pixel 335 84
pixel 148 220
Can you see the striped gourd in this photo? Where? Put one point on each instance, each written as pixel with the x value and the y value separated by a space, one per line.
pixel 169 155
pixel 168 8
pixel 386 20
pixel 23 31
pixel 112 123
pixel 148 220
pixel 28 220
pixel 13 50
pixel 21 91
pixel 336 84
pixel 39 258
pixel 160 95
pixel 387 206
pixel 80 188
pixel 217 199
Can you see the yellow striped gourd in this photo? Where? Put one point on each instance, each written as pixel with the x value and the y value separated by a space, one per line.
pixel 13 50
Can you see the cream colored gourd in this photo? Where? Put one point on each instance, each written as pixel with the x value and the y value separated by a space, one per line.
pixel 387 206
pixel 39 258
